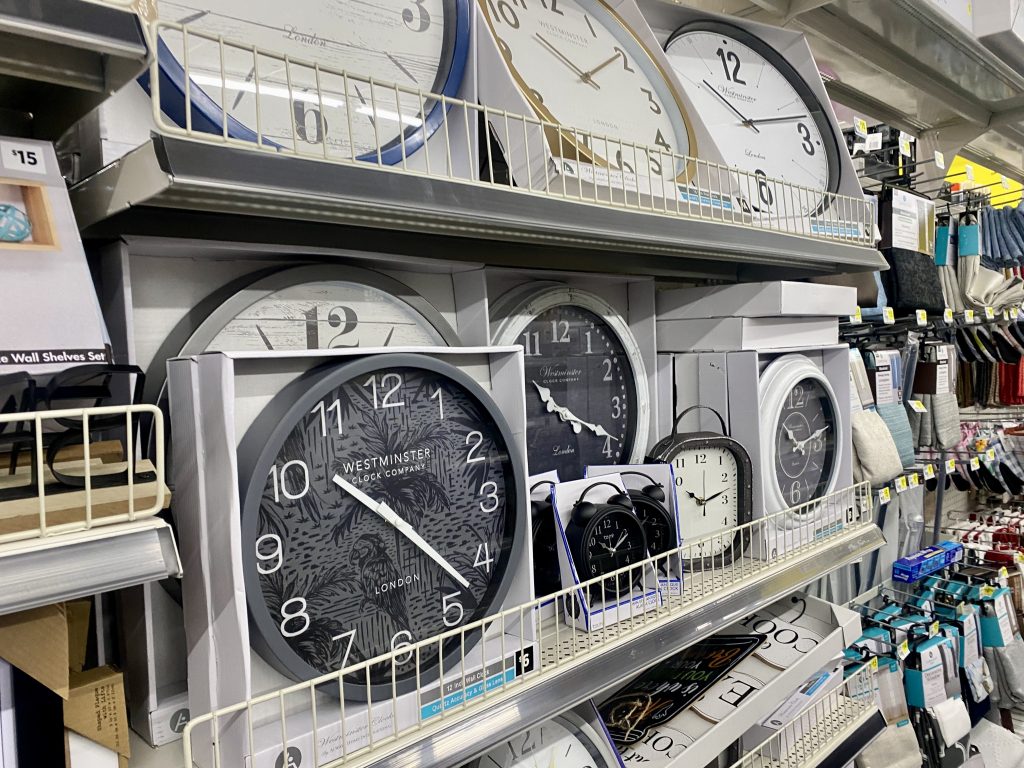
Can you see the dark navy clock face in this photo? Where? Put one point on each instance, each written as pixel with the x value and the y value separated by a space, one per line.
pixel 580 392
pixel 613 541
pixel 382 511
pixel 805 442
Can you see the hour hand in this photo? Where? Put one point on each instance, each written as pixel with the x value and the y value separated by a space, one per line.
pixel 568 416
pixel 802 445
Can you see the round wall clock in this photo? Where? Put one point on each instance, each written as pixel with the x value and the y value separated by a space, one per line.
pixel 381 506
pixel 579 65
pixel 421 45
pixel 800 436
pixel 586 385
pixel 567 741
pixel 764 116
pixel 713 486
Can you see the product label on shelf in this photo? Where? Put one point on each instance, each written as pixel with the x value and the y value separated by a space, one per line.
pixel 975 463
pixel 969 172
pixel 884 495
pixel 888 316
pixel 905 139
pixel 856 317
pixel 917 406
pixel 940 160
pixel 1014 313
pixel 950 466
pixel 969 315
pixel 914 480
pixel 990 313
pixel 901 484
pixel 929 471
pixel 860 127
pixel 990 454
pixel 16 156
pixel 922 317
pixel 947 316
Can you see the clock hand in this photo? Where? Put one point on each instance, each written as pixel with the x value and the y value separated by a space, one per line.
pixel 590 73
pixel 582 75
pixel 728 103
pixel 792 437
pixel 622 538
pixel 776 119
pixel 568 416
pixel 714 496
pixel 800 446
pixel 391 517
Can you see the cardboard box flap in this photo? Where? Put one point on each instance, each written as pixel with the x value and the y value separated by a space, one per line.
pixel 36 642
pixel 96 709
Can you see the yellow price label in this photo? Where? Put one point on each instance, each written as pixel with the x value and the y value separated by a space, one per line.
pixel 1006 315
pixel 901 484
pixel 947 315
pixel 922 317
pixel 885 496
pixel 888 316
pixel 990 313
pixel 929 471
pixel 940 160
pixel 917 406
pixel 905 144
pixel 990 454
pixel 1014 313
pixel 914 480
pixel 860 126
pixel 975 463
pixel 1018 557
pixel 904 650
pixel 950 466
pixel 1003 572
pixel 987 591
pixel 856 317
pixel 969 315
pixel 874 663
pixel 933 630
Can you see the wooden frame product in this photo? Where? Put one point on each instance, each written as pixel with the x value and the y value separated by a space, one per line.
pixel 40 214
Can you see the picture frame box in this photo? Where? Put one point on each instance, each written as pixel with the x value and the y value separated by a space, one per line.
pixel 213 397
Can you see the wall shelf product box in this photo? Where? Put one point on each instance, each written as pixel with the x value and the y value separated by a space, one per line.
pixel 780 298
pixel 727 334
pixel 581 611
pixel 215 397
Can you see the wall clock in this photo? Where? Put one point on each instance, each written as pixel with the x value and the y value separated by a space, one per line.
pixel 567 741
pixel 713 487
pixel 586 385
pixel 420 44
pixel 800 436
pixel 579 65
pixel 381 506
pixel 764 117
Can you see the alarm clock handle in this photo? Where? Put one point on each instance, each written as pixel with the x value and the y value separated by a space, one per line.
pixel 679 418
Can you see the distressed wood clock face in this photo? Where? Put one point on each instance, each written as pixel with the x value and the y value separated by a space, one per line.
pixel 380 509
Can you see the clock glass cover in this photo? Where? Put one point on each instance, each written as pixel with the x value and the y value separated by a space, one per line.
pixel 580 66
pixel 805 442
pixel 566 741
pixel 708 495
pixel 380 508
pixel 612 541
pixel 421 45
pixel 764 117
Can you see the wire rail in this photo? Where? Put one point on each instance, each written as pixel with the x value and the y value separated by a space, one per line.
pixel 288 106
pixel 86 492
pixel 430 684
pixel 819 729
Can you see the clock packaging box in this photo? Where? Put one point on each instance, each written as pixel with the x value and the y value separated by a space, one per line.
pixel 622 601
pixel 776 299
pixel 166 297
pixel 636 477
pixel 216 398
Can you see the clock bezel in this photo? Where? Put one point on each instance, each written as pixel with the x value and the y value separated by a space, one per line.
pixel 667 450
pixel 519 307
pixel 208 114
pixel 258 449
pixel 568 137
pixel 796 81
pixel 576 725
pixel 640 499
pixel 577 537
pixel 775 383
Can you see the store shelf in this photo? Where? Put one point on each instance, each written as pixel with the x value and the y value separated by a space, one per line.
pixel 49 570
pixel 59 59
pixel 575 665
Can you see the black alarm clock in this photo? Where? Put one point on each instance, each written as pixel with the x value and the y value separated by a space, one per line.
pixel 649 505
pixel 713 480
pixel 604 537
pixel 547 577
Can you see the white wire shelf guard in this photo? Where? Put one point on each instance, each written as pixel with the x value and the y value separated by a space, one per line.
pixel 816 732
pixel 315 712
pixel 86 484
pixel 283 105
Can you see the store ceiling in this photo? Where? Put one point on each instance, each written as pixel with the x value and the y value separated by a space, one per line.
pixel 904 63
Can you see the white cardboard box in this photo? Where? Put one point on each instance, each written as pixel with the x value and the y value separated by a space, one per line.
pixel 774 299
pixel 728 334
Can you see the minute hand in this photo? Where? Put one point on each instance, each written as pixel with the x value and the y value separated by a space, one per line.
pixel 392 517
pixel 800 444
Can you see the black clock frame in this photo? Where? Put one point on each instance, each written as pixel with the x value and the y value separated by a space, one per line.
pixel 646 498
pixel 669 447
pixel 259 448
pixel 546 580
pixel 808 96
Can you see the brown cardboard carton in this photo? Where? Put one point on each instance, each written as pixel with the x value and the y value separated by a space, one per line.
pixel 95 708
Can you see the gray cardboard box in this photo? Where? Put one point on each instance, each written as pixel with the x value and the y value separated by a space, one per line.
pixel 775 299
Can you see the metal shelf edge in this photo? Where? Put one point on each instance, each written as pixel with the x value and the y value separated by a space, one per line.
pixel 851 743
pixel 464 738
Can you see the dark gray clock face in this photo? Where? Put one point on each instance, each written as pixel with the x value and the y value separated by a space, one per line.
pixel 580 393
pixel 613 541
pixel 805 442
pixel 381 512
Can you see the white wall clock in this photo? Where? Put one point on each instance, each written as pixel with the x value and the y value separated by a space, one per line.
pixel 801 436
pixel 764 117
pixel 567 741
pixel 586 386
pixel 422 45
pixel 579 65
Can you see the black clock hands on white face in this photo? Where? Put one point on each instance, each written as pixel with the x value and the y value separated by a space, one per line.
pixel 568 416
pixel 746 121
pixel 392 518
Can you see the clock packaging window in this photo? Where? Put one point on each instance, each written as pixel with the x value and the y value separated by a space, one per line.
pixel 304 505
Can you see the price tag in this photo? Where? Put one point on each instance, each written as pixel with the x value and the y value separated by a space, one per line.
pixel 969 315
pixel 950 466
pixel 1018 557
pixel 884 496
pixel 990 454
pixel 929 471
pixel 987 591
pixel 990 314
pixel 901 484
pixel 947 315
pixel 969 172
pixel 922 317
pixel 975 463
pixel 1004 181
pixel 856 316
pixel 940 160
pixel 933 629
pixel 1003 573
pixel 917 406
pixel 888 316
pixel 903 651
pixel 1014 313
pixel 874 663
pixel 1006 315
pixel 905 144
pixel 18 156
pixel 860 127
pixel 914 480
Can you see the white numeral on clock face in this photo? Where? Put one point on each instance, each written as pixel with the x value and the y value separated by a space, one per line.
pixel 608 450
pixel 281 481
pixel 607 369
pixel 288 615
pixel 449 603
pixel 396 643
pixel 560 331
pixel 324 410
pixel 490 490
pixel 385 401
pixel 474 440
pixel 532 346
pixel 483 557
pixel 351 635
pixel 616 406
pixel 440 402
pixel 276 554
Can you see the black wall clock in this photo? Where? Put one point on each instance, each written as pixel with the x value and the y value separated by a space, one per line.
pixel 586 386
pixel 381 506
